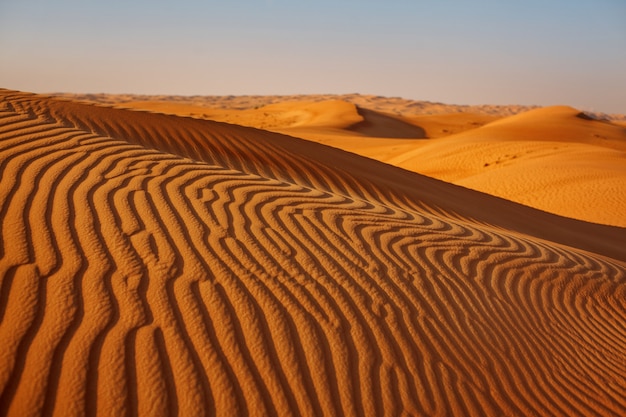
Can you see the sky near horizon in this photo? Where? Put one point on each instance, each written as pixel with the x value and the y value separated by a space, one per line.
pixel 541 52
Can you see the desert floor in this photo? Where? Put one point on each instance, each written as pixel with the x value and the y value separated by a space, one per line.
pixel 309 255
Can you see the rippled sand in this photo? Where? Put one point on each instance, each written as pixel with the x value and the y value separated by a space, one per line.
pixel 159 265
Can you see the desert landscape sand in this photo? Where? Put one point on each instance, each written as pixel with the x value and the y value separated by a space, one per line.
pixel 557 159
pixel 153 264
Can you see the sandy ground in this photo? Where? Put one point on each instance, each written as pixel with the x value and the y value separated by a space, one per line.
pixel 160 265
pixel 556 159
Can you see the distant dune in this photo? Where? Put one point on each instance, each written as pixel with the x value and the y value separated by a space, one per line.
pixel 393 105
pixel 555 159
pixel 161 265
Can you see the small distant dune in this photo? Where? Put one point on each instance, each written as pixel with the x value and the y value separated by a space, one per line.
pixel 153 264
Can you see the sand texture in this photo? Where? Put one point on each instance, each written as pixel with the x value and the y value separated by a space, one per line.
pixel 153 264
pixel 557 159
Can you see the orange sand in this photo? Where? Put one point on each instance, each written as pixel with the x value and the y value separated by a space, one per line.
pixel 555 159
pixel 158 265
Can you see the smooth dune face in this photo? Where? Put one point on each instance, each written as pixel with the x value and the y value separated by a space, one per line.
pixel 554 159
pixel 159 265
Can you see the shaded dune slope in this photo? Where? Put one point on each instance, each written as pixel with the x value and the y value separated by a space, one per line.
pixel 151 264
pixel 382 125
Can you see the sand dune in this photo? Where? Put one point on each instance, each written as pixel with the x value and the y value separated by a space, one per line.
pixel 390 105
pixel 160 265
pixel 556 159
pixel 325 115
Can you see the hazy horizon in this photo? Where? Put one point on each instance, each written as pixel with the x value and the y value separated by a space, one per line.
pixel 486 52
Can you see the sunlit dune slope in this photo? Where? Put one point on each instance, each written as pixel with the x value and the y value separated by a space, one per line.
pixel 555 159
pixel 331 116
pixel 327 113
pixel 160 265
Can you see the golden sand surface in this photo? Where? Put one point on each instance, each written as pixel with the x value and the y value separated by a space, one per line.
pixel 557 159
pixel 154 264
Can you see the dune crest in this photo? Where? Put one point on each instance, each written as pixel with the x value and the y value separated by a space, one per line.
pixel 152 264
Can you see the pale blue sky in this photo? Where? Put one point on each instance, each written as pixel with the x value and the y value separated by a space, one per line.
pixel 464 52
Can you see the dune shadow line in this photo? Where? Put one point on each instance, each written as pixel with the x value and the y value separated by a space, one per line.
pixel 375 124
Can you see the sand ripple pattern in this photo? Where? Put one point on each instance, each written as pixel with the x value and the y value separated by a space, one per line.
pixel 194 268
